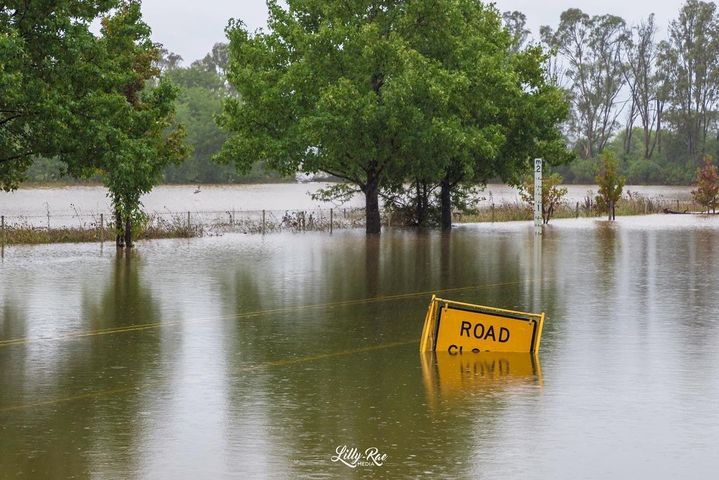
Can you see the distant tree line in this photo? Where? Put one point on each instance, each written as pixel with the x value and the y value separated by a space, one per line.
pixel 653 104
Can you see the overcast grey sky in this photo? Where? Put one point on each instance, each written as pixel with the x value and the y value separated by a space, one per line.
pixel 190 28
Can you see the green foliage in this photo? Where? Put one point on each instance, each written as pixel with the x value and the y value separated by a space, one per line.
pixel 689 59
pixel 645 172
pixel 610 185
pixel 667 167
pixel 50 71
pixel 139 137
pixel 552 194
pixel 201 93
pixel 707 183
pixel 379 93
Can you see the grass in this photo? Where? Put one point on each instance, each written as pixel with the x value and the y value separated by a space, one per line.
pixel 172 225
pixel 156 227
pixel 633 204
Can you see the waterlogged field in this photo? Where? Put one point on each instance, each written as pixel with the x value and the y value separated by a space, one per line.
pixel 296 355
pixel 69 201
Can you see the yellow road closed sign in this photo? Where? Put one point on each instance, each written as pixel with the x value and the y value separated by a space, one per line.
pixel 457 328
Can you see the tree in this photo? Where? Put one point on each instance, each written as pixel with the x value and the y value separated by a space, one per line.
pixel 379 93
pixel 690 61
pixel 95 103
pixel 552 194
pixel 644 83
pixel 610 185
pixel 592 48
pixel 48 74
pixel 707 182
pixel 516 24
pixel 135 136
pixel 508 113
pixel 317 93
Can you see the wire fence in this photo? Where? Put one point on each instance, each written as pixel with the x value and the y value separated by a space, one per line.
pixel 158 224
pixel 99 226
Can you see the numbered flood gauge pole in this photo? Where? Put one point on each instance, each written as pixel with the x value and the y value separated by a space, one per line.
pixel 462 328
pixel 538 220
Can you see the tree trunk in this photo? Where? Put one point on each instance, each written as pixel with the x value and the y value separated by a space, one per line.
pixel 374 225
pixel 660 108
pixel 128 232
pixel 421 204
pixel 445 199
pixel 119 233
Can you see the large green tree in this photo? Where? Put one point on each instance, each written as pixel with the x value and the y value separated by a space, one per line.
pixel 322 91
pixel 498 109
pixel 382 92
pixel 48 71
pixel 95 102
pixel 134 136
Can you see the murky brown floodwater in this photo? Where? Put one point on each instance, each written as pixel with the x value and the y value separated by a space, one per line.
pixel 257 357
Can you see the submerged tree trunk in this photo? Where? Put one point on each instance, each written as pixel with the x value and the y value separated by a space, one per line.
pixel 119 233
pixel 445 199
pixel 128 232
pixel 422 203
pixel 371 191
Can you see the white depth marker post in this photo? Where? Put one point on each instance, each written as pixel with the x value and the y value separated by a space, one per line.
pixel 538 196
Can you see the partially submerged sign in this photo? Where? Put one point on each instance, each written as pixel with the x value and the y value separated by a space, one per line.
pixel 457 328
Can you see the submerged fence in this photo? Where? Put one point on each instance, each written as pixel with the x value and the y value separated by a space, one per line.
pixel 87 227
pixel 166 224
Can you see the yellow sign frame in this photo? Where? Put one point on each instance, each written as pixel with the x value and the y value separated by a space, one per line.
pixel 439 308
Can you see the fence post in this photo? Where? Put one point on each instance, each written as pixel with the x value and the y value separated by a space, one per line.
pixel 576 211
pixel 263 222
pixel 2 231
pixel 102 227
pixel 493 213
pixel 331 219
pixel 188 222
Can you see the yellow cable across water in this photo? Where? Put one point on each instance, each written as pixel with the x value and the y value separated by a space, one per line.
pixel 148 326
pixel 247 368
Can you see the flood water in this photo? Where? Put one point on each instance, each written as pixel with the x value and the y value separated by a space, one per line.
pixel 245 356
pixel 79 201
